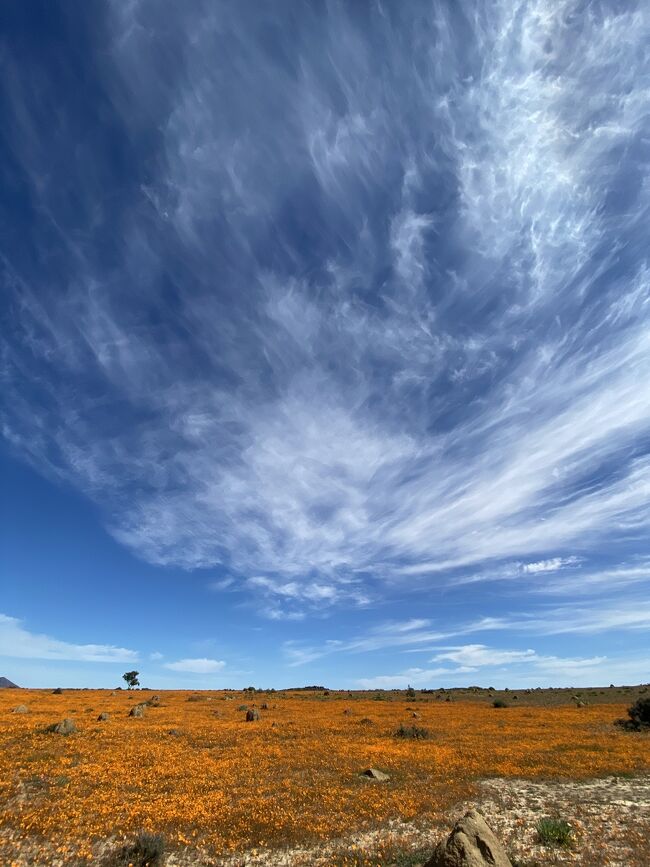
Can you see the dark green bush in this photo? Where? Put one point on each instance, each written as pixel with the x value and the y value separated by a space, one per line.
pixel 499 702
pixel 639 713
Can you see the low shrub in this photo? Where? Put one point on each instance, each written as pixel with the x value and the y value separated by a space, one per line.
pixel 413 732
pixel 639 716
pixel 147 850
pixel 639 713
pixel 554 832
pixel 499 702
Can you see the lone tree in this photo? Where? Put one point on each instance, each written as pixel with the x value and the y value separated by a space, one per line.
pixel 131 678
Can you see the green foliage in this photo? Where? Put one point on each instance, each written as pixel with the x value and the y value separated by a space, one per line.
pixel 413 732
pixel 499 702
pixel 554 832
pixel 410 692
pixel 131 678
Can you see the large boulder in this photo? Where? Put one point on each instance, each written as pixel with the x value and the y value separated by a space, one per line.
pixel 65 727
pixel 470 844
pixel 137 710
pixel 252 715
pixel 103 717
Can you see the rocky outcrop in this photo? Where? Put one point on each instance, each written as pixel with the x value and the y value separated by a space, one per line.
pixel 470 844
pixel 65 727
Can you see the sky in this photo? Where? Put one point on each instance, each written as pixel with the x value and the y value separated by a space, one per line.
pixel 325 346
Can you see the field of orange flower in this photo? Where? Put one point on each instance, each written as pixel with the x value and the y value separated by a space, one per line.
pixel 200 775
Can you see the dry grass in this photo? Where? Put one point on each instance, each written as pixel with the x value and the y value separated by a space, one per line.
pixel 292 777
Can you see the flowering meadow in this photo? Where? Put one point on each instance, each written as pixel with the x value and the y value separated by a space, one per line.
pixel 194 771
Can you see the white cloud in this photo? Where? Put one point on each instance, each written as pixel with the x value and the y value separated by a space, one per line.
pixel 412 676
pixel 156 656
pixel 554 564
pixel 196 666
pixel 479 655
pixel 18 642
pixel 391 408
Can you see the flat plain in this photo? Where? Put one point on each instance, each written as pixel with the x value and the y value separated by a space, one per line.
pixel 289 785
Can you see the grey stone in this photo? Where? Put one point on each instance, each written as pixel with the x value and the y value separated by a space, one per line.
pixel 470 844
pixel 374 774
pixel 22 708
pixel 65 727
pixel 137 710
pixel 252 715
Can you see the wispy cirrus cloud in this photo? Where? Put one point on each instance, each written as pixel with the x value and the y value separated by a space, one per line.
pixel 18 642
pixel 196 666
pixel 421 636
pixel 522 667
pixel 444 362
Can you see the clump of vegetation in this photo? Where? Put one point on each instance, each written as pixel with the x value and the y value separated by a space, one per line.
pixel 554 832
pixel 499 702
pixel 639 716
pixel 147 850
pixel 417 733
pixel 131 678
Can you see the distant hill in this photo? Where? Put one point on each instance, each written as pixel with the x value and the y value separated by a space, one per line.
pixel 5 683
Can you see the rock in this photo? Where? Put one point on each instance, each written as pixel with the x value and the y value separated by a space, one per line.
pixel 470 844
pixel 22 708
pixel 175 733
pixel 65 727
pixel 347 712
pixel 374 774
pixel 137 710
pixel 103 717
pixel 264 706
pixel 415 715
pixel 154 701
pixel 113 693
pixel 252 715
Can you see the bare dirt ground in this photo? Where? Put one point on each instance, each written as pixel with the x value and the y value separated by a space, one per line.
pixel 610 819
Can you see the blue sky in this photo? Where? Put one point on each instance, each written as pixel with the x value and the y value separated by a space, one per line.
pixel 326 346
